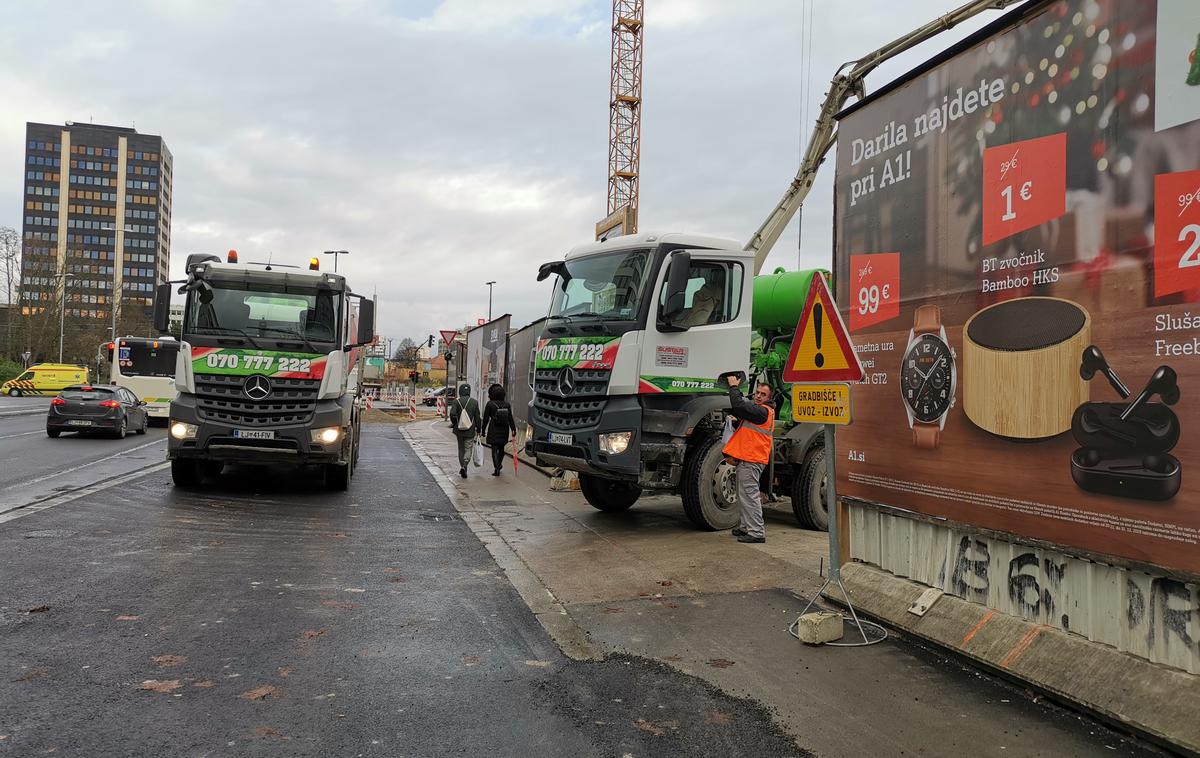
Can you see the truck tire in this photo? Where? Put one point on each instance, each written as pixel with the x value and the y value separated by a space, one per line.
pixel 213 469
pixel 709 492
pixel 808 492
pixel 185 473
pixel 608 495
pixel 337 477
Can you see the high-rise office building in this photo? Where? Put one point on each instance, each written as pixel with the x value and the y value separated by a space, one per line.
pixel 97 228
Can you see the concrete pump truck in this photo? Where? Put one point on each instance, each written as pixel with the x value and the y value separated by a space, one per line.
pixel 266 371
pixel 640 327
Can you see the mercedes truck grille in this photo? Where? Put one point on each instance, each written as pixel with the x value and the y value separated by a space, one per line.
pixel 577 408
pixel 224 399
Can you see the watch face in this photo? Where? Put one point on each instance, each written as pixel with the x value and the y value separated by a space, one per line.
pixel 926 378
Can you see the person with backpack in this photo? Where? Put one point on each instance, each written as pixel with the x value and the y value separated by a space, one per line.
pixel 464 420
pixel 498 425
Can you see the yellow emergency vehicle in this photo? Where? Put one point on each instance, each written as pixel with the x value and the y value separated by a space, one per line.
pixel 45 379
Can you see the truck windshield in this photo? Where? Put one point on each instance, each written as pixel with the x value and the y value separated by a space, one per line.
pixel 608 285
pixel 255 311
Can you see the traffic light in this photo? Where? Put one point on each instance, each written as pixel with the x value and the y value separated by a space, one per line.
pixel 430 344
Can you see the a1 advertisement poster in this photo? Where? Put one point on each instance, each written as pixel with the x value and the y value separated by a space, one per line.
pixel 1018 252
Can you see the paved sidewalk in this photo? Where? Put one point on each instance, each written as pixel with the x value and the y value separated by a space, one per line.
pixel 645 582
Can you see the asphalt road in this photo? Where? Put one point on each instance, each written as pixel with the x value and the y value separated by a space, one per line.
pixel 263 616
pixel 33 466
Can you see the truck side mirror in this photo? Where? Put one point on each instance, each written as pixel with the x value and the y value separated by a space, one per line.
pixel 366 321
pixel 677 282
pixel 162 308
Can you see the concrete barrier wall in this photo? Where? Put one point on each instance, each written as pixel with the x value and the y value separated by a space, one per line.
pixel 1151 616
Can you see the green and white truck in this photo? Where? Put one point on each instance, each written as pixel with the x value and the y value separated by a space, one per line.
pixel 267 368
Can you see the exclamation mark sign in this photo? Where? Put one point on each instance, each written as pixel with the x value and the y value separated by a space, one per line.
pixel 818 359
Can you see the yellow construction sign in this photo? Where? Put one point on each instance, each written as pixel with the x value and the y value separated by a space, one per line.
pixel 821 349
pixel 821 403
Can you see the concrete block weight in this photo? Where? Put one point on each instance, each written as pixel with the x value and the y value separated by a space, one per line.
pixel 820 627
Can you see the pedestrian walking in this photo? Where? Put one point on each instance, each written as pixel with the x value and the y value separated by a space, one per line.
pixel 499 426
pixel 464 420
pixel 750 450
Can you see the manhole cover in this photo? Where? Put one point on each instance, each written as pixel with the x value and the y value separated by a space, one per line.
pixel 47 534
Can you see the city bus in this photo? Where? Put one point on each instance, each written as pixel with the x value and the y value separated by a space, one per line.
pixel 146 367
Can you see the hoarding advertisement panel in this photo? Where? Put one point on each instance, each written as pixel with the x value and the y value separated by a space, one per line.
pixel 1018 249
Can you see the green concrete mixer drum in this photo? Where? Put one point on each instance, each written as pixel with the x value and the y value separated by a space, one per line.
pixel 778 298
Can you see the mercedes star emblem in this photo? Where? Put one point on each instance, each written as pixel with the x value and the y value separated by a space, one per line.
pixel 566 381
pixel 257 387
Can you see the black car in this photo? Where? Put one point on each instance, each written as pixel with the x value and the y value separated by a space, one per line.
pixel 432 396
pixel 96 408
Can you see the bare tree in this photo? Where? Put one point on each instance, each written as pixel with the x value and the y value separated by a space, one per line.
pixel 10 279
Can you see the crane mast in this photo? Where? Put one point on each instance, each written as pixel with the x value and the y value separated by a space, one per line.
pixel 625 114
pixel 847 84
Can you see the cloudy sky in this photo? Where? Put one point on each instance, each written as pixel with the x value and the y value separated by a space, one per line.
pixel 443 142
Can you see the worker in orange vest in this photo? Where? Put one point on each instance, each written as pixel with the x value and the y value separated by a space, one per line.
pixel 750 449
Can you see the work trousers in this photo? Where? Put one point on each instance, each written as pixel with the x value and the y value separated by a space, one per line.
pixel 464 449
pixel 749 506
pixel 497 455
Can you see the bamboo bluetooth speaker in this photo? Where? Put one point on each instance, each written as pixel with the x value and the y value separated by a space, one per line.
pixel 1021 366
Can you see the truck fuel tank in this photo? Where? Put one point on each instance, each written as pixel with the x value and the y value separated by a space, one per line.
pixel 778 298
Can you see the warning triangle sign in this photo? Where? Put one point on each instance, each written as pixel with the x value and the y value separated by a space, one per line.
pixel 448 336
pixel 821 349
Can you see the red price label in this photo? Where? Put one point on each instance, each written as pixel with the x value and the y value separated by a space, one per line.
pixel 1024 185
pixel 1176 232
pixel 875 290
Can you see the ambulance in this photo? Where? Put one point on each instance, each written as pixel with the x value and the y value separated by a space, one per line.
pixel 45 379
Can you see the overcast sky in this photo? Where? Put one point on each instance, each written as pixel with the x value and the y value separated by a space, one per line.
pixel 443 142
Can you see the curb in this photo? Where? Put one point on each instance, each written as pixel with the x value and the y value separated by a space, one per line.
pixel 1129 692
pixel 550 613
pixel 31 412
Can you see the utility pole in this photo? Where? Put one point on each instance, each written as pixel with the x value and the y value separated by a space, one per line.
pixel 489 286
pixel 62 311
pixel 336 254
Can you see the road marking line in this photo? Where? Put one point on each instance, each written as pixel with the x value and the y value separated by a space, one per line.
pixel 92 463
pixel 22 434
pixel 24 510
pixel 986 618
pixel 1020 647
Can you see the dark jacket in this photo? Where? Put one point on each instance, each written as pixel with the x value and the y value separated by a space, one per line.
pixel 494 433
pixel 471 405
pixel 746 409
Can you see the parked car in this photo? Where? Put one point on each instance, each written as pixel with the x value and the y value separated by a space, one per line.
pixel 44 379
pixel 96 408
pixel 431 396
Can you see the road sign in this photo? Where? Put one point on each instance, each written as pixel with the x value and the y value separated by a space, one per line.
pixel 821 403
pixel 448 336
pixel 25 356
pixel 821 349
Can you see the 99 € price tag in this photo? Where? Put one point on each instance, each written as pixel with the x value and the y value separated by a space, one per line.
pixel 1176 232
pixel 1024 185
pixel 875 289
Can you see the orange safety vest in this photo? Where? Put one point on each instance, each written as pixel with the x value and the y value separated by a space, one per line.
pixel 752 442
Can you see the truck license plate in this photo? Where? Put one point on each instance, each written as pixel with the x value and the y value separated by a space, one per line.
pixel 558 438
pixel 254 434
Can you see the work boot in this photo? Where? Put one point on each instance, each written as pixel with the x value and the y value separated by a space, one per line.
pixel 738 532
pixel 752 540
pixel 496 472
pixel 463 472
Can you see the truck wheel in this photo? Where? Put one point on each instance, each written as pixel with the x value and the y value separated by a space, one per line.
pixel 212 469
pixel 608 495
pixel 709 490
pixel 808 492
pixel 337 477
pixel 185 473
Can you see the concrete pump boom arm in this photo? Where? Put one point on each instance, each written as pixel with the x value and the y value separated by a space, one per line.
pixel 843 86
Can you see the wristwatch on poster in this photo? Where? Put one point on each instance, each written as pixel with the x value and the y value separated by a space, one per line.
pixel 928 377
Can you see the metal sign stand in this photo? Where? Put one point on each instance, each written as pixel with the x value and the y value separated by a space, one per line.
pixel 835 563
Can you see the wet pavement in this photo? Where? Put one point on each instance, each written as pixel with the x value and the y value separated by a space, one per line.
pixel 265 616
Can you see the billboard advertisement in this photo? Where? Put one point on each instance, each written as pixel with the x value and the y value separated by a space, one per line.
pixel 1018 260
pixel 486 356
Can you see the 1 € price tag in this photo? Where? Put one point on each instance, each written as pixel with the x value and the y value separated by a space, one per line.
pixel 875 294
pixel 1176 232
pixel 1024 185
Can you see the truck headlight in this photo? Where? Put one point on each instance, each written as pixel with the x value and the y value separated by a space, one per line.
pixel 183 431
pixel 327 436
pixel 615 443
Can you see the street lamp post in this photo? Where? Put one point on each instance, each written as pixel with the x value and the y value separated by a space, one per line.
pixel 62 312
pixel 489 286
pixel 336 254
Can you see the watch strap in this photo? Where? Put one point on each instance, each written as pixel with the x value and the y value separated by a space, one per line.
pixel 925 436
pixel 927 320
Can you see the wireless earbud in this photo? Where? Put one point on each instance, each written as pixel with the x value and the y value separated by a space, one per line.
pixel 1093 361
pixel 1163 383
